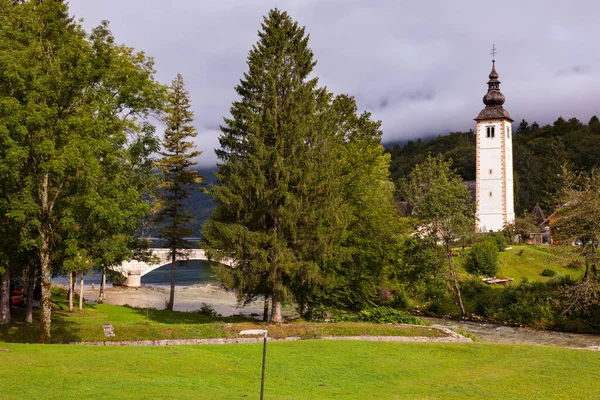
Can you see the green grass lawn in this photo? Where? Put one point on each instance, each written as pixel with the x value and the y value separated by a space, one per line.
pixel 308 369
pixel 534 259
pixel 524 261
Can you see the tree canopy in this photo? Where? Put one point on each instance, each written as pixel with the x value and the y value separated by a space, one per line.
pixel 74 149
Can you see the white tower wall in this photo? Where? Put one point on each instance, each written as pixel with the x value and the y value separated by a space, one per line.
pixel 494 174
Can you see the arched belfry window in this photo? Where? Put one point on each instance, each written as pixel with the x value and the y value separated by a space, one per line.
pixel 490 131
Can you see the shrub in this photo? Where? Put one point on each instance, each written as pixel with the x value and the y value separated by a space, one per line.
pixel 482 258
pixel 500 239
pixel 207 310
pixel 400 300
pixel 548 272
pixel 386 315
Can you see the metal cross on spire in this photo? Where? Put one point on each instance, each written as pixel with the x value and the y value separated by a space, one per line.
pixel 493 53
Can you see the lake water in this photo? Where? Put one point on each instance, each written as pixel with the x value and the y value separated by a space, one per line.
pixel 193 272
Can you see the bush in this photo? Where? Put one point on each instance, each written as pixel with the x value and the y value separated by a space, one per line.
pixel 500 239
pixel 548 272
pixel 386 315
pixel 482 258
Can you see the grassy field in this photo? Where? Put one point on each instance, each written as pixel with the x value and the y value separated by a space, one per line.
pixel 533 260
pixel 529 261
pixel 141 324
pixel 308 369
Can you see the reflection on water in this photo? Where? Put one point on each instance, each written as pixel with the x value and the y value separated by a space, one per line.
pixel 188 273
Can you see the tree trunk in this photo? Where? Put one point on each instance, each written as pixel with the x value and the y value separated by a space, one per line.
pixel 463 313
pixel 81 293
pixel 44 252
pixel 266 308
pixel 30 286
pixel 5 297
pixel 172 293
pixel 101 295
pixel 276 308
pixel 72 280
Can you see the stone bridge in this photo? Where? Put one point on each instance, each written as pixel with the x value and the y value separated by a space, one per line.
pixel 133 270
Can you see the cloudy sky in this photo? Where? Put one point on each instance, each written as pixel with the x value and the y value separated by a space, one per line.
pixel 418 66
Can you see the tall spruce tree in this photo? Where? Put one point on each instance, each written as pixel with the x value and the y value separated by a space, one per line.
pixel 178 179
pixel 280 209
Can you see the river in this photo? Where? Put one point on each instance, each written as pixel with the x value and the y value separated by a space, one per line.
pixel 193 272
pixel 494 333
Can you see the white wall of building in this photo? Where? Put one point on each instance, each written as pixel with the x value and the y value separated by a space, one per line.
pixel 495 192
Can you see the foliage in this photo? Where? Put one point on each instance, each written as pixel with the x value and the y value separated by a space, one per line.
pixel 444 208
pixel 457 146
pixel 482 258
pixel 387 315
pixel 500 239
pixel 379 315
pixel 207 310
pixel 178 178
pixel 75 150
pixel 578 219
pixel 372 244
pixel 420 271
pixel 548 272
pixel 271 209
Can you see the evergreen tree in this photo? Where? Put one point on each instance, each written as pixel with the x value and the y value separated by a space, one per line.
pixel 280 209
pixel 178 179
pixel 523 128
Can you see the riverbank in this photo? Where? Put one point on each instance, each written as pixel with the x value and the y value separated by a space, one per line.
pixel 503 334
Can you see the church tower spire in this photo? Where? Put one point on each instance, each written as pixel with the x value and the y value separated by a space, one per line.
pixel 494 191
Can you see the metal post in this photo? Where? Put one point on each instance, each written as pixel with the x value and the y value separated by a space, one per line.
pixel 264 360
pixel 262 378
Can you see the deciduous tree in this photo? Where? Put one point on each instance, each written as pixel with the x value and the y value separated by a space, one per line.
pixel 69 106
pixel 443 205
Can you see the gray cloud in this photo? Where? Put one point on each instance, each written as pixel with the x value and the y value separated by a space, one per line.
pixel 420 67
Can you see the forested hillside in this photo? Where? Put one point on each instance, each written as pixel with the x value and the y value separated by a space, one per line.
pixel 539 155
pixel 200 204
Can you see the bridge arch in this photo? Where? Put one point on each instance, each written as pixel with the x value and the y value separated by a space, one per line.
pixel 133 270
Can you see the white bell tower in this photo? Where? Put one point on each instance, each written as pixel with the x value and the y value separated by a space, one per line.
pixel 494 194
